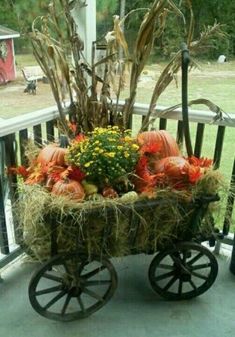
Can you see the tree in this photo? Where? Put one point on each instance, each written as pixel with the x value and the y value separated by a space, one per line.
pixel 15 14
pixel 104 15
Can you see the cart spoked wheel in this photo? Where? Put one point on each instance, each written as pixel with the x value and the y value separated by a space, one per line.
pixel 70 287
pixel 183 271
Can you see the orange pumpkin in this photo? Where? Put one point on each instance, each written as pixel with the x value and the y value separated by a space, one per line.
pixel 167 144
pixel 71 188
pixel 172 165
pixel 52 153
pixel 178 170
pixel 174 168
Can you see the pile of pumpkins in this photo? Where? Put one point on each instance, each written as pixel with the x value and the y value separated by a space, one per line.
pixel 159 150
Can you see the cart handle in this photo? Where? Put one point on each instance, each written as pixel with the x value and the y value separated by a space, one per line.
pixel 208 198
pixel 185 60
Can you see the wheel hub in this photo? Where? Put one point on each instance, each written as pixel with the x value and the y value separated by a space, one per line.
pixel 73 285
pixel 75 291
pixel 183 272
pixel 185 277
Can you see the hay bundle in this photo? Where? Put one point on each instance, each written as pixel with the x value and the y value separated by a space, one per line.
pixel 110 227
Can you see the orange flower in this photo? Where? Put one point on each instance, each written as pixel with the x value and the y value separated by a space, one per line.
pixel 80 137
pixel 36 175
pixel 194 173
pixel 145 180
pixel 56 172
pixel 20 170
pixel 75 173
pixel 150 148
pixel 202 162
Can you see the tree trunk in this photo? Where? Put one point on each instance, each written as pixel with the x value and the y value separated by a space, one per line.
pixel 122 9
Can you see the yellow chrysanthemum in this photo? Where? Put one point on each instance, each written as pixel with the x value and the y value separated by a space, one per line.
pixel 128 139
pixel 88 164
pixel 110 154
pixel 135 147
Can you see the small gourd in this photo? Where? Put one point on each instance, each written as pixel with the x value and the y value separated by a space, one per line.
pixel 109 192
pixel 129 197
pixel 89 188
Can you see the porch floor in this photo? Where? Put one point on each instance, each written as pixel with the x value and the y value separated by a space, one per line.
pixel 134 311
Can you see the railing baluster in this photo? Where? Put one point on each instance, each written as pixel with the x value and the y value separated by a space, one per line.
pixel 4 246
pixel 11 161
pixel 180 133
pixel 199 139
pixel 37 132
pixel 23 136
pixel 142 120
pixel 219 146
pixel 230 203
pixel 162 124
pixel 50 131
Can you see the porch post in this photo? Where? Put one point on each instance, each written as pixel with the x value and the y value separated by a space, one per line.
pixel 84 15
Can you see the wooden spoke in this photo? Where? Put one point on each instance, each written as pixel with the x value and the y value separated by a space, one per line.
pixel 66 303
pixel 165 266
pixel 93 272
pixel 180 287
pixel 164 276
pixel 81 304
pixel 170 283
pixel 52 277
pixel 195 258
pixel 48 290
pixel 93 294
pixel 54 300
pixel 193 285
pixel 184 257
pixel 201 266
pixel 203 277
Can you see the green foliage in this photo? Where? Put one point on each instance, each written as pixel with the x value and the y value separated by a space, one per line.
pixel 104 15
pixel 222 11
pixel 16 15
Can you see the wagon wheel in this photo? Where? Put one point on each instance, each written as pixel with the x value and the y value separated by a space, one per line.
pixel 183 272
pixel 70 287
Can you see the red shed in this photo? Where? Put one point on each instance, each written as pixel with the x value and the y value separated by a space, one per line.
pixel 7 55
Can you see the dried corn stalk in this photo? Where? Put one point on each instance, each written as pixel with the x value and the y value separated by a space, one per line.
pixel 91 100
pixel 58 49
pixel 172 68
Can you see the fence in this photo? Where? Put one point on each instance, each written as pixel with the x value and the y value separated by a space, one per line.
pixel 41 124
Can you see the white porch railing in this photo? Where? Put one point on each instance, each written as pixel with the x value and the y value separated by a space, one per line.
pixel 18 123
pixel 38 124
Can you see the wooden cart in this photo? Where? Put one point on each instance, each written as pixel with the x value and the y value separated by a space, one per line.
pixel 75 284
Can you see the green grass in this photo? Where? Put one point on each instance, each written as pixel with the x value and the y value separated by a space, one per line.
pixel 23 60
pixel 212 81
